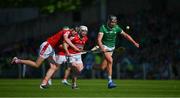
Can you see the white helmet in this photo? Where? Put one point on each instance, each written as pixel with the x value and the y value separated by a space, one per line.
pixel 83 28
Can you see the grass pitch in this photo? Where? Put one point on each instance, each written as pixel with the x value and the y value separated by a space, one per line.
pixel 90 88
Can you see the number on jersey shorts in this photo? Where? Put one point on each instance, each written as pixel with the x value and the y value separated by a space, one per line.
pixel 78 62
pixel 46 50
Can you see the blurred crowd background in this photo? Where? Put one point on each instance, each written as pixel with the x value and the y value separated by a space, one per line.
pixel 25 24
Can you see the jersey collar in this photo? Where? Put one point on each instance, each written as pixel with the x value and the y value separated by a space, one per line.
pixel 109 27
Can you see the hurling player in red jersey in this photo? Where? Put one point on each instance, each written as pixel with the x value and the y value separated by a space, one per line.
pixel 68 70
pixel 77 39
pixel 61 57
pixel 75 58
pixel 47 49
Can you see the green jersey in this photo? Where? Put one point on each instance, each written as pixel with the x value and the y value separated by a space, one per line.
pixel 109 36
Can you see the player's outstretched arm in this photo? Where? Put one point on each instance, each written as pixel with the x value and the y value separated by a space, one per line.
pixel 129 38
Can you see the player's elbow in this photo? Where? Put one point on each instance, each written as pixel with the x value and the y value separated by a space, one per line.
pixel 53 67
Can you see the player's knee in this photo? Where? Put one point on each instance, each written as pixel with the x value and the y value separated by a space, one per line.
pixel 54 67
pixel 76 73
pixel 79 70
pixel 68 69
pixel 109 60
pixel 103 67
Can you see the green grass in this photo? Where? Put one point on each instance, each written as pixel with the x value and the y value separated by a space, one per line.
pixel 91 88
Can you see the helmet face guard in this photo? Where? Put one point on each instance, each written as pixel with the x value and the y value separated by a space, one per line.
pixel 83 30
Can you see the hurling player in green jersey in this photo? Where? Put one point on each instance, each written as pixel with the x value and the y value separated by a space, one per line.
pixel 106 41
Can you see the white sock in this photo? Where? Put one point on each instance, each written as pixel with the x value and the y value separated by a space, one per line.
pixel 74 84
pixel 50 82
pixel 109 79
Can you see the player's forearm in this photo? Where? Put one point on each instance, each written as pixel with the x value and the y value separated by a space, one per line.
pixel 100 45
pixel 65 46
pixel 129 38
pixel 71 44
pixel 100 36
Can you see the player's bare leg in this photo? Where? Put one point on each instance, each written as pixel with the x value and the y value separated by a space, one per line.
pixel 76 69
pixel 67 72
pixel 53 68
pixel 108 57
pixel 29 62
pixel 105 62
pixel 74 84
pixel 102 66
pixel 75 73
pixel 109 60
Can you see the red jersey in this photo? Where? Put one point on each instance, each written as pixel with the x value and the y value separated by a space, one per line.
pixel 54 40
pixel 61 51
pixel 78 42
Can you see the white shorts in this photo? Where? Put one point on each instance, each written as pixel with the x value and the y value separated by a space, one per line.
pixel 108 48
pixel 60 59
pixel 76 59
pixel 46 50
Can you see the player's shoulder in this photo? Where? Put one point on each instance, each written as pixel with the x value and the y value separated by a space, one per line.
pixel 102 25
pixel 75 37
pixel 117 26
pixel 86 37
pixel 66 31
